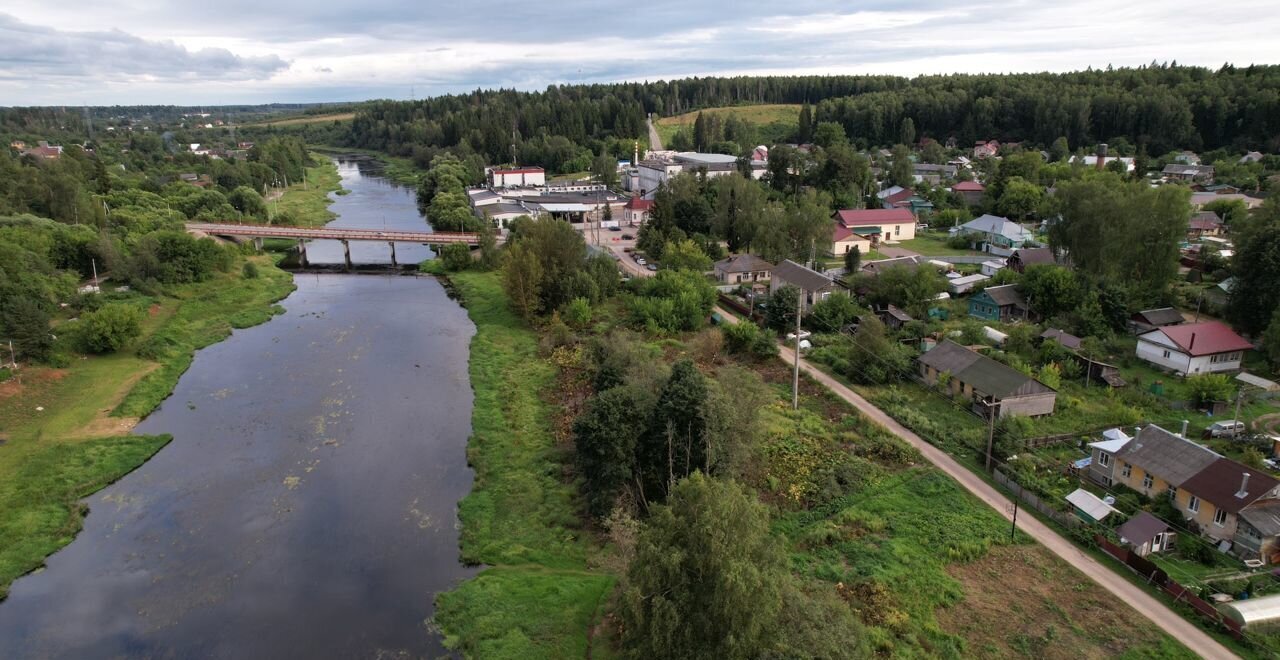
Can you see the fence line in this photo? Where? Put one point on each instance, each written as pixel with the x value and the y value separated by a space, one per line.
pixel 1036 502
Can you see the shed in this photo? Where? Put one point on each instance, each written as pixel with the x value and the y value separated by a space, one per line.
pixel 1146 534
pixel 963 284
pixel 1068 341
pixel 1088 506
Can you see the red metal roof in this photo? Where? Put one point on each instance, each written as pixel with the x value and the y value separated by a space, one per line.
pixel 969 186
pixel 1207 338
pixel 637 204
pixel 864 217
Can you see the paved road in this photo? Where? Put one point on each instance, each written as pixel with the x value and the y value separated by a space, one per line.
pixel 655 140
pixel 1173 624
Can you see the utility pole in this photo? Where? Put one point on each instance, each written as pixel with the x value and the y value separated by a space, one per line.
pixel 795 376
pixel 991 430
pixel 96 287
pixel 1236 419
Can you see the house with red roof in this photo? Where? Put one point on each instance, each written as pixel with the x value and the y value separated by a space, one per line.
pixel 868 228
pixel 507 177
pixel 1193 348
pixel 971 191
pixel 636 212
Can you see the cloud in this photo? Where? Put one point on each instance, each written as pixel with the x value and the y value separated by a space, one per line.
pixel 36 53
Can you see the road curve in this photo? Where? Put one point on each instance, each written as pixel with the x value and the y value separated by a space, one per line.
pixel 1177 627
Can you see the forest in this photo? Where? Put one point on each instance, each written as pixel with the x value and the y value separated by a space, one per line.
pixel 1158 108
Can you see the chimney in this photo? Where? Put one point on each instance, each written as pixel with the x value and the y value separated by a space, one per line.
pixel 1102 155
pixel 1185 423
pixel 1244 485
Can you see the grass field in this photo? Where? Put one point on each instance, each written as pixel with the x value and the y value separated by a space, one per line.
pixel 759 115
pixel 77 444
pixel 537 599
pixel 306 119
pixel 308 204
pixel 934 244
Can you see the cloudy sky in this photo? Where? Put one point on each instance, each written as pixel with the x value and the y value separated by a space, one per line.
pixel 101 52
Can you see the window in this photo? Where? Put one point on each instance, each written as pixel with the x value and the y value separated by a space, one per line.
pixel 1126 470
pixel 1166 353
pixel 1104 458
pixel 1193 504
pixel 1147 481
pixel 1220 517
pixel 1173 492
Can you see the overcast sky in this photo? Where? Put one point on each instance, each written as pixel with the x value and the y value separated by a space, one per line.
pixel 101 52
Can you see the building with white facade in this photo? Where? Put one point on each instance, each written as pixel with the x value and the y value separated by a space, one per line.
pixel 1193 348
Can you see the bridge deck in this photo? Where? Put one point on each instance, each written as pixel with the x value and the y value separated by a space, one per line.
pixel 323 233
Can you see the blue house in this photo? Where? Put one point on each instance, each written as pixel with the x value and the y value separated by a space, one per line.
pixel 999 303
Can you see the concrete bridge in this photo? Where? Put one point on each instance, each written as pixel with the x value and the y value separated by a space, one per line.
pixel 303 234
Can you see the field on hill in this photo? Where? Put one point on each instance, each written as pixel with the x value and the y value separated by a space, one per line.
pixel 758 115
pixel 306 119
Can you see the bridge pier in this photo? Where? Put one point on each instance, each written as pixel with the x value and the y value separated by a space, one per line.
pixel 302 253
pixel 346 252
pixel 393 254
pixel 257 243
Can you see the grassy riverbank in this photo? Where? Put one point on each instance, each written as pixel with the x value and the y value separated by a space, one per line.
pixel 537 599
pixel 400 170
pixel 308 204
pixel 64 429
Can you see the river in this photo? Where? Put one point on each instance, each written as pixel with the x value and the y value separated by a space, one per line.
pixel 307 504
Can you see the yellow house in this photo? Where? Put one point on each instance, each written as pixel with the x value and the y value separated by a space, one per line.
pixel 1213 491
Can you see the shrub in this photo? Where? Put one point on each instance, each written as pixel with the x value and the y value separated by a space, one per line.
pixel 110 328
pixel 578 313
pixel 455 257
pixel 1207 388
pixel 249 271
pixel 740 337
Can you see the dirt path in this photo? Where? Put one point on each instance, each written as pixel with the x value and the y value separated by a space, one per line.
pixel 655 140
pixel 1180 629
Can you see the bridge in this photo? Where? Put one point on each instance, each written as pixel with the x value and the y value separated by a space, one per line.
pixel 302 234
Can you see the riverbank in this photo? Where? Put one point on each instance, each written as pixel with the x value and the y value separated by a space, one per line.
pixel 538 598
pixel 307 204
pixel 395 168
pixel 65 429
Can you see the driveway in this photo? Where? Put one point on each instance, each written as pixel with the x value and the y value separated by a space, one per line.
pixel 1177 627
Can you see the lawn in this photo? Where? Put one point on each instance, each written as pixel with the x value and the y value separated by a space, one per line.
pixel 52 458
pixel 537 599
pixel 308 204
pixel 759 115
pixel 934 244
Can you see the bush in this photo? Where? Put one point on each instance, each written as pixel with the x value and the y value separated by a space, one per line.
pixel 578 313
pixel 110 328
pixel 740 337
pixel 455 257
pixel 1207 388
pixel 249 271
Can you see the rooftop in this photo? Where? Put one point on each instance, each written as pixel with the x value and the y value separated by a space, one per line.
pixel 969 186
pixel 1220 482
pixel 1141 528
pixel 1205 338
pixel 989 377
pixel 743 263
pixel 1006 294
pixel 806 278
pixel 1161 316
pixel 1067 340
pixel 864 217
pixel 1167 455
pixel 1090 504
pixel 994 224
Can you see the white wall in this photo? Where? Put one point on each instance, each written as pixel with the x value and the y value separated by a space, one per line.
pixel 1154 353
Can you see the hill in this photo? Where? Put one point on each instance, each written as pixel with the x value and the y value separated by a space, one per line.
pixel 785 115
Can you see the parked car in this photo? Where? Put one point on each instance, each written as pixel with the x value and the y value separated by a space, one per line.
pixel 804 334
pixel 614 229
pixel 1227 428
pixel 627 237
pixel 651 267
pixel 641 260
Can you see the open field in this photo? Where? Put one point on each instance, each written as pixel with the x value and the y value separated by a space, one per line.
pixel 77 444
pixel 308 205
pixel 305 119
pixel 934 244
pixel 759 115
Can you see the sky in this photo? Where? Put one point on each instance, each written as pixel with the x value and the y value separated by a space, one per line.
pixel 107 52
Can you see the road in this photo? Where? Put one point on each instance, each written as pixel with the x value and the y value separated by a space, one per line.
pixel 655 140
pixel 1177 627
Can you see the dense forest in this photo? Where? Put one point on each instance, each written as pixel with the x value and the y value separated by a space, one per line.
pixel 1159 107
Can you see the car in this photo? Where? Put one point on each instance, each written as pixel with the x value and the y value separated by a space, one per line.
pixel 641 260
pixel 627 237
pixel 651 267
pixel 1227 428
pixel 614 229
pixel 804 334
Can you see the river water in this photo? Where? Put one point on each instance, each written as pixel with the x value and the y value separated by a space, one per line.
pixel 306 507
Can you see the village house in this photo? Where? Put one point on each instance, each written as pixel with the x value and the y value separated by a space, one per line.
pixel 815 285
pixel 1093 163
pixel 1066 339
pixel 971 191
pixel 1204 223
pixel 1102 462
pixel 1251 157
pixel 986 149
pixel 999 303
pixel 1023 258
pixel 1187 158
pixel 879 266
pixel 991 385
pixel 964 284
pixel 1178 172
pixel 1151 319
pixel 868 228
pixel 44 151
pixel 1193 348
pixel 893 317
pixel 1199 199
pixel 742 269
pixel 933 173
pixel 502 213
pixel 995 234
pixel 637 210
pixel 1228 501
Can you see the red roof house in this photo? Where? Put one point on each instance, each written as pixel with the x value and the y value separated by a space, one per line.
pixel 867 228
pixel 1193 348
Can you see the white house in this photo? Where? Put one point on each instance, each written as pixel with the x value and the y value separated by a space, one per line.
pixel 636 212
pixel 989 268
pixel 868 228
pixel 1193 348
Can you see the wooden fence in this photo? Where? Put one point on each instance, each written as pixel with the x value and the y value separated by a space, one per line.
pixel 1036 502
pixel 1155 575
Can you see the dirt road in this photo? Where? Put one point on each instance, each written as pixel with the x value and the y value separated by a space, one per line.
pixel 1173 624
pixel 655 140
